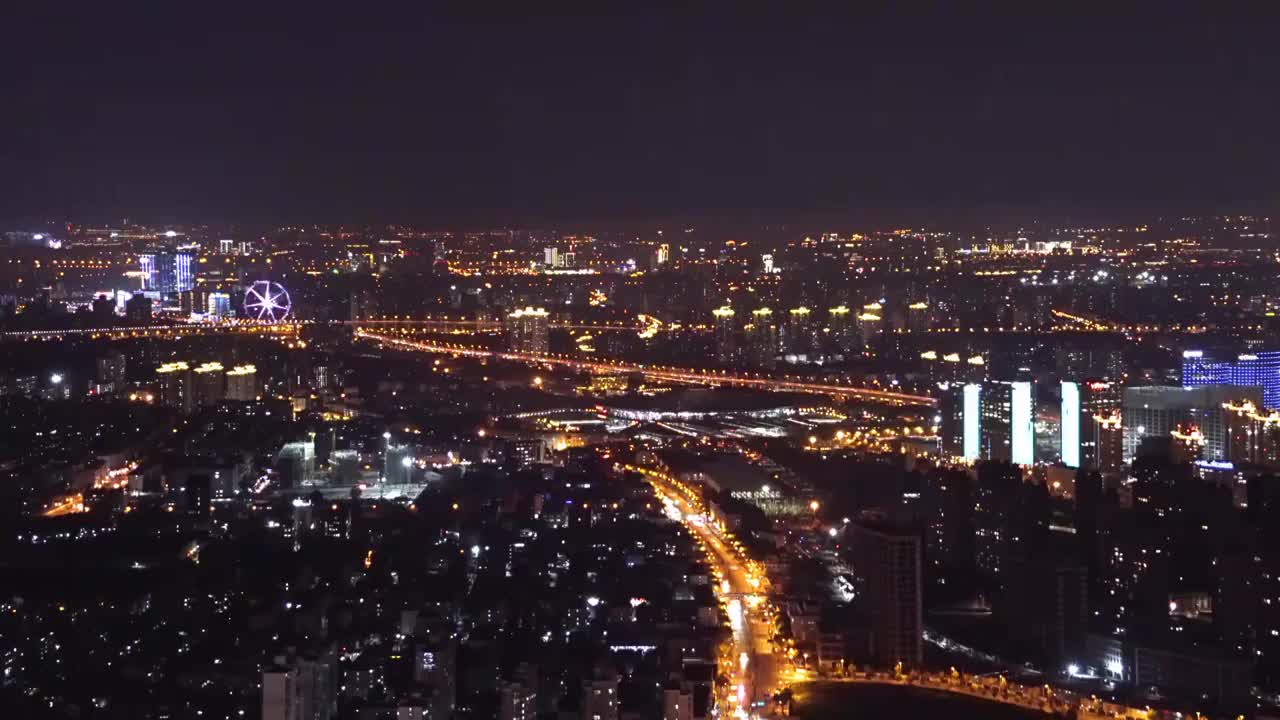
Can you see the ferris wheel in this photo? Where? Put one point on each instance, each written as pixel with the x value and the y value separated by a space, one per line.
pixel 267 301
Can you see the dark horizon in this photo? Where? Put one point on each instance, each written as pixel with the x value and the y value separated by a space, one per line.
pixel 864 117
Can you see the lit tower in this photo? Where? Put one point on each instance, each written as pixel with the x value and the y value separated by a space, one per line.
pixel 175 385
pixel 242 381
pixel 209 384
pixel 527 330
pixel 870 322
pixel 842 329
pixel 763 339
pixel 917 317
pixel 799 331
pixel 726 340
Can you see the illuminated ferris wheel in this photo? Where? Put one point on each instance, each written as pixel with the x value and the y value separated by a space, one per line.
pixel 266 301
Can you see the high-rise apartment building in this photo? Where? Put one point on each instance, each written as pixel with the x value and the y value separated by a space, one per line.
pixel 889 562
pixel 516 702
pixel 301 687
pixel 527 330
pixel 726 335
pixel 762 339
pixel 175 385
pixel 242 383
pixel 842 329
pixel 112 369
pixel 209 384
pixel 600 697
pixel 799 331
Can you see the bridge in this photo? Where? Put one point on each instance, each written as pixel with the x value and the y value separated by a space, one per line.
pixel 666 373
pixel 362 328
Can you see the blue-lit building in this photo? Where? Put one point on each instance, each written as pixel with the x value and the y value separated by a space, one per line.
pixel 166 272
pixel 1261 369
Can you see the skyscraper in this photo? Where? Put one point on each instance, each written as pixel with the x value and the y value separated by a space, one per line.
pixel 1086 409
pixel 1254 435
pixel 1157 411
pixel 166 272
pixel 1260 369
pixel 888 560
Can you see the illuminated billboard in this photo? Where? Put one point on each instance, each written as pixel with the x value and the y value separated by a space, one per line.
pixel 1022 430
pixel 1070 424
pixel 972 415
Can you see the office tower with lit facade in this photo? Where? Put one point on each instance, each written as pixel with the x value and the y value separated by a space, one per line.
pixel 527 330
pixel 166 272
pixel 889 562
pixel 1196 414
pixel 1254 369
pixel 1254 434
pixel 218 305
pixel 1007 425
pixel 1090 421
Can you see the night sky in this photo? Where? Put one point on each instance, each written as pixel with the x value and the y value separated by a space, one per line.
pixel 586 113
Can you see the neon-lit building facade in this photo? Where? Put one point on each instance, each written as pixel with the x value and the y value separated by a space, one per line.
pixel 972 421
pixel 1260 369
pixel 1090 425
pixel 166 272
pixel 1070 424
pixel 1021 424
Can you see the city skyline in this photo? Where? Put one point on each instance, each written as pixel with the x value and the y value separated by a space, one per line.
pixel 660 363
